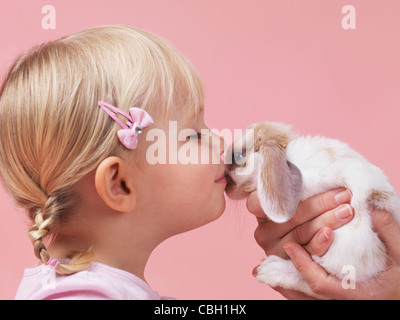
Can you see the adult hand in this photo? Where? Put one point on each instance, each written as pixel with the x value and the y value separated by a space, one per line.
pixel 311 226
pixel 386 285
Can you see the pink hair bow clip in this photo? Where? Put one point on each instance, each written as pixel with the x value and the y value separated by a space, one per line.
pixel 137 120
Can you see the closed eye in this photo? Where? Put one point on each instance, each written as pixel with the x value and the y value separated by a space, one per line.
pixel 197 136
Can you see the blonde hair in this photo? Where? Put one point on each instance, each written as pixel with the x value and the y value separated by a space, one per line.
pixel 52 132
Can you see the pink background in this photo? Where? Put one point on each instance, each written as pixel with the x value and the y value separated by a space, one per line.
pixel 260 60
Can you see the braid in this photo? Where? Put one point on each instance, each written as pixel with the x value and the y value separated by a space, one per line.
pixel 44 218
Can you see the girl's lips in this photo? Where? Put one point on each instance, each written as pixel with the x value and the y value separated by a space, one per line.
pixel 221 179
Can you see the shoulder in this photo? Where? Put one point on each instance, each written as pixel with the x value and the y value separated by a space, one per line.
pixel 97 282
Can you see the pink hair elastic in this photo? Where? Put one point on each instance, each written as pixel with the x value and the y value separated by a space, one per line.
pixel 137 120
pixel 52 263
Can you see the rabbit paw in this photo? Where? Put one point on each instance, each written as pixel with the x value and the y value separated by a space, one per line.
pixel 278 272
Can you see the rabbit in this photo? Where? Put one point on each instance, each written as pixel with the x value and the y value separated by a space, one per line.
pixel 285 169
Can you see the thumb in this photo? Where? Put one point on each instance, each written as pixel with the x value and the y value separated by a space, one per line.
pixel 254 206
pixel 388 230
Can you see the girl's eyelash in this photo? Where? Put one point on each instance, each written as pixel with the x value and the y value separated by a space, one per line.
pixel 198 135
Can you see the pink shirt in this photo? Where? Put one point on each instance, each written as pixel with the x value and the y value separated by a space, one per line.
pixel 99 281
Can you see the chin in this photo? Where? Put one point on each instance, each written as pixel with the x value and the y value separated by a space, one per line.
pixel 218 211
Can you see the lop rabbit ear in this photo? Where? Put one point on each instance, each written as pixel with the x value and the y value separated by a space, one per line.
pixel 279 183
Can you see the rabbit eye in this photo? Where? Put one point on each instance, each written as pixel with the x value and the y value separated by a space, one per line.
pixel 239 157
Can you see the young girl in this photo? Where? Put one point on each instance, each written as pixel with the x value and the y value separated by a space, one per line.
pixel 91 195
pixel 74 152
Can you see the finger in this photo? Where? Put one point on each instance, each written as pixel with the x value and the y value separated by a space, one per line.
pixel 292 294
pixel 312 273
pixel 308 208
pixel 333 219
pixel 316 234
pixel 317 278
pixel 267 241
pixel 254 206
pixel 388 230
pixel 320 203
pixel 271 236
pixel 321 242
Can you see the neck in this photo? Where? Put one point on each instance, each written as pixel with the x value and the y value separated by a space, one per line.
pixel 120 244
pixel 130 256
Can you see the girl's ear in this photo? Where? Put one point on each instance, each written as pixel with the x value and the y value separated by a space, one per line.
pixel 114 184
pixel 279 183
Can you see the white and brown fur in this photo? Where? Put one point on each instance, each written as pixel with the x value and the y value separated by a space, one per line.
pixel 289 169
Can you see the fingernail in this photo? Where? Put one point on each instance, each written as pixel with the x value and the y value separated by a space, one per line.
pixel 343 212
pixel 323 236
pixel 255 271
pixel 343 197
pixel 288 250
